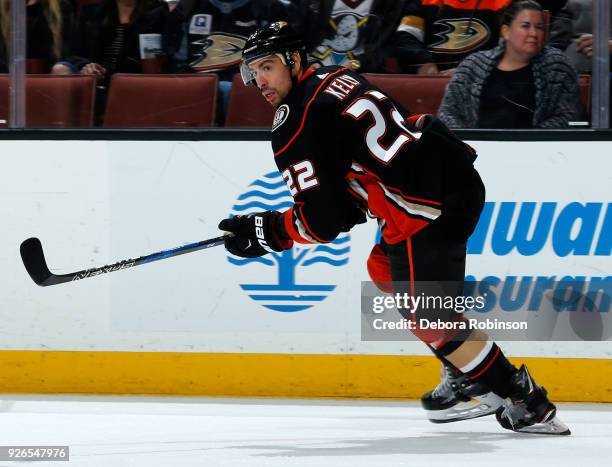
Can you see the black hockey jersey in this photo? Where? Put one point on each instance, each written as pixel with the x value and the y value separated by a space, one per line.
pixel 343 147
pixel 207 36
pixel 444 32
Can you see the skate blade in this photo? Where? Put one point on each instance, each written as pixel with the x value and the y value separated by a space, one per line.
pixel 550 427
pixel 486 404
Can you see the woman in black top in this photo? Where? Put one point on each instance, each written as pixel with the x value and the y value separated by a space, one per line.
pixel 519 84
pixel 508 96
pixel 107 37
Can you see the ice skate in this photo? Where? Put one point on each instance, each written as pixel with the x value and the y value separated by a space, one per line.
pixel 528 409
pixel 457 398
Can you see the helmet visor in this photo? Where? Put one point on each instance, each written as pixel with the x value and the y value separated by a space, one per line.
pixel 248 75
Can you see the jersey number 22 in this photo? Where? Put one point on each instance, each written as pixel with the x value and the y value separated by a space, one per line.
pixel 375 132
pixel 300 176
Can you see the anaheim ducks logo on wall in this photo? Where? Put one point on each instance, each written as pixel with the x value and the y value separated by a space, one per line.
pixel 219 52
pixel 460 35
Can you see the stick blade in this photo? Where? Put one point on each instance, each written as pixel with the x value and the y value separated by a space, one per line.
pixel 34 261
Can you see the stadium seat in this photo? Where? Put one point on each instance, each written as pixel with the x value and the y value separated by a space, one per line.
pixel 161 101
pixel 420 94
pixel 53 101
pixel 247 108
pixel 37 66
pixel 585 94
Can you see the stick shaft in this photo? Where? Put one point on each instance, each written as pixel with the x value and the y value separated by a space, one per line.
pixel 34 261
pixel 128 263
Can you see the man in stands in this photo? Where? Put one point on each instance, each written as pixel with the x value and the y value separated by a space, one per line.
pixel 207 36
pixel 357 34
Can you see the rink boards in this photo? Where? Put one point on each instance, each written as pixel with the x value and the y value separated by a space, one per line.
pixel 204 323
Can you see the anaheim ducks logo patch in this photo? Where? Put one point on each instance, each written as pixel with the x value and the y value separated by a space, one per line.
pixel 219 52
pixel 280 117
pixel 460 35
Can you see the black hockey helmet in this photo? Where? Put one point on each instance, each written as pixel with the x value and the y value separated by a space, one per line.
pixel 277 38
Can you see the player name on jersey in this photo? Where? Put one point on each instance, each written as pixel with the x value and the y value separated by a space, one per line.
pixel 341 86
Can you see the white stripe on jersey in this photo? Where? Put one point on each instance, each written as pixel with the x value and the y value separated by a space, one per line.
pixel 358 189
pixel 411 208
pixel 302 230
pixel 357 168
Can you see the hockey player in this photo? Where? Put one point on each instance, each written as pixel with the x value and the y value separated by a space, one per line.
pixel 346 149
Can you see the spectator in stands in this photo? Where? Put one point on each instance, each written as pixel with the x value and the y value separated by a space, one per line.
pixel 519 84
pixel 356 34
pixel 49 26
pixel 207 36
pixel 110 35
pixel 578 28
pixel 438 34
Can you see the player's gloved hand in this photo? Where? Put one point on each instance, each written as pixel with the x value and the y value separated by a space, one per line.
pixel 255 235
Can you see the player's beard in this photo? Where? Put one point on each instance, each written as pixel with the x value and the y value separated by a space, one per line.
pixel 275 94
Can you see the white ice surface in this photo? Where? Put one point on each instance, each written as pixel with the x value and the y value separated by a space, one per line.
pixel 152 432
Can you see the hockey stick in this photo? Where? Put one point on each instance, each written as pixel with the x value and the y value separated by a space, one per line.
pixel 34 261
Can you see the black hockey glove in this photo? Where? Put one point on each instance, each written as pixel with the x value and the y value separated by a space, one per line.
pixel 256 234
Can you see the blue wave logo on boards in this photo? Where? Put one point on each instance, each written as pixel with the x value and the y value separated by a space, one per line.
pixel 284 293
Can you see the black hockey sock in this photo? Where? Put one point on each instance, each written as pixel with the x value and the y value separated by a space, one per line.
pixel 493 370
